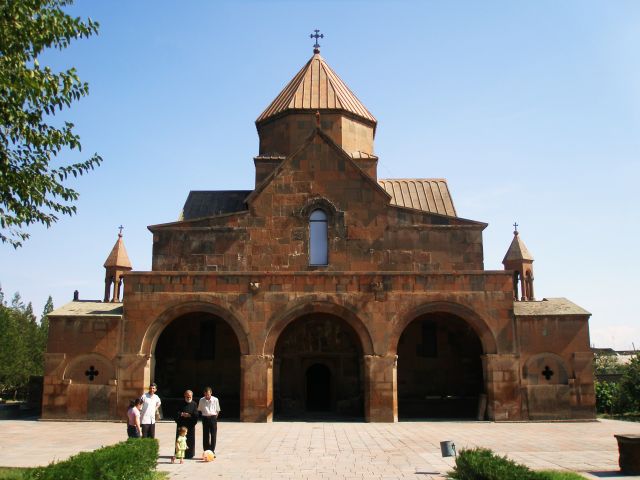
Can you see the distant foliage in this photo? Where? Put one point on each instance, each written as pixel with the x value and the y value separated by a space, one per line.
pixel 23 342
pixel 32 177
pixel 622 395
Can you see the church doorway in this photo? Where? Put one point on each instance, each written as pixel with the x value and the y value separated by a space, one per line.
pixel 318 388
pixel 194 351
pixel 318 370
pixel 439 369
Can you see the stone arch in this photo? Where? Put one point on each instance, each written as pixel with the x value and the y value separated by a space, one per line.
pixel 183 308
pixel 536 366
pixel 313 304
pixel 102 372
pixel 477 323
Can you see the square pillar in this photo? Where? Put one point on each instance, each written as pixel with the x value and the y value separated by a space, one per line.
pixel 381 393
pixel 256 388
pixel 502 381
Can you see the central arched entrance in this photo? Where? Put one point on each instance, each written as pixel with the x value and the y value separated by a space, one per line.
pixel 196 350
pixel 439 368
pixel 318 370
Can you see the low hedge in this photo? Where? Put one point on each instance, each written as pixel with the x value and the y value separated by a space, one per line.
pixel 134 459
pixel 483 464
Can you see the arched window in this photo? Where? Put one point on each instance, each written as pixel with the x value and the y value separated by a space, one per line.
pixel 318 247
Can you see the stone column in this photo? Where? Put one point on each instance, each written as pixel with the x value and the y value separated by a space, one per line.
pixel 256 388
pixel 502 381
pixel 381 393
pixel 133 373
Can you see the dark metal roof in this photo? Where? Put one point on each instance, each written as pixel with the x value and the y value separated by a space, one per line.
pixel 201 204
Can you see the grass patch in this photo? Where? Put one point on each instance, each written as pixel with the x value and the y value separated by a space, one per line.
pixel 625 417
pixel 556 475
pixel 10 473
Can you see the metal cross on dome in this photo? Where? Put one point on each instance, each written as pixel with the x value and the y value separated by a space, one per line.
pixel 120 228
pixel 317 35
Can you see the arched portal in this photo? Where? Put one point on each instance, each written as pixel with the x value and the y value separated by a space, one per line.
pixel 318 369
pixel 440 371
pixel 196 350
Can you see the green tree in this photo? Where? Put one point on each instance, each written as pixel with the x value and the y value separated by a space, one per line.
pixel 31 188
pixel 22 345
pixel 630 385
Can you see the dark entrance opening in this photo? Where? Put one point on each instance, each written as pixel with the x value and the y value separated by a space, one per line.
pixel 318 388
pixel 439 369
pixel 194 351
pixel 317 370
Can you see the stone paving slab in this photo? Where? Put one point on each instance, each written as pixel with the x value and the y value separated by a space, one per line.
pixel 355 451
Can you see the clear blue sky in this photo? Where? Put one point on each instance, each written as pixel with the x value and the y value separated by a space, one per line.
pixel 531 110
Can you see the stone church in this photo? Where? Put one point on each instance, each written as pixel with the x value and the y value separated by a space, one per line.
pixel 323 292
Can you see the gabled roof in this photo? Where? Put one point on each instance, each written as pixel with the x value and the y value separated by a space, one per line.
pixel 548 306
pixel 316 87
pixel 426 194
pixel 326 138
pixel 201 204
pixel 517 250
pixel 118 257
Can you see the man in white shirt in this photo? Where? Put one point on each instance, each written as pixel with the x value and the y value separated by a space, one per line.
pixel 209 408
pixel 150 405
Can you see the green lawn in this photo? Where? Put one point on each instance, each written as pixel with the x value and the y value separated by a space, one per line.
pixel 556 475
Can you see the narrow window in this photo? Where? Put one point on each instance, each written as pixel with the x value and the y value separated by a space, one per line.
pixel 318 251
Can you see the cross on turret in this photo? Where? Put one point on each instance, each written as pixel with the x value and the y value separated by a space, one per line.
pixel 120 232
pixel 515 226
pixel 317 35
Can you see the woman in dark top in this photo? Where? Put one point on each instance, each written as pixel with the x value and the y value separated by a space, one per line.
pixel 187 416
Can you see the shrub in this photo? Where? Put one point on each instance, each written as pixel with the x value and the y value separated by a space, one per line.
pixel 134 459
pixel 607 397
pixel 483 464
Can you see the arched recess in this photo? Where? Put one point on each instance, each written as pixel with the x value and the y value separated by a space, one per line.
pixel 545 369
pixel 546 382
pixel 174 311
pixel 440 369
pixel 318 369
pixel 91 391
pixel 193 345
pixel 403 319
pixel 312 304
pixel 92 369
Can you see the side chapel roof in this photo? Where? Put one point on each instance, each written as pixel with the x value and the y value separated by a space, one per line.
pixel 316 86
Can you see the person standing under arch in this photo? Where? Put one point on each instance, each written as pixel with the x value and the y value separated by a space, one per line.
pixel 209 408
pixel 187 416
pixel 150 406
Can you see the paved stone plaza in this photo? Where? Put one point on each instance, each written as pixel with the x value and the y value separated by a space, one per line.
pixel 298 450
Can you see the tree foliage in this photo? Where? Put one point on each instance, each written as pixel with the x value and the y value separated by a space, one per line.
pixel 22 345
pixel 32 188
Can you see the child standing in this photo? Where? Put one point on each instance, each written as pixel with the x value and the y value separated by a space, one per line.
pixel 181 445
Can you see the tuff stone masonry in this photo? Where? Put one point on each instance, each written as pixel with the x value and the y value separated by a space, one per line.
pixel 324 292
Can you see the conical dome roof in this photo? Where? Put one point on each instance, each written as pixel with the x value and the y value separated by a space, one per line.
pixel 118 257
pixel 517 250
pixel 316 87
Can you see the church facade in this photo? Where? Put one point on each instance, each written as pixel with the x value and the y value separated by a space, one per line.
pixel 323 292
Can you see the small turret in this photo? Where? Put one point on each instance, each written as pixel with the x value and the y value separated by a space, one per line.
pixel 116 265
pixel 520 261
